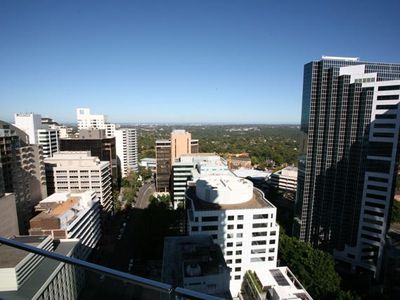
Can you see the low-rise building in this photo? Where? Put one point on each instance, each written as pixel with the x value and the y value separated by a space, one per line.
pixel 149 163
pixel 274 284
pixel 24 275
pixel 69 216
pixel 285 179
pixel 195 263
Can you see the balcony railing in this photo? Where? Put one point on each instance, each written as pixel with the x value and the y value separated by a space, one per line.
pixel 91 281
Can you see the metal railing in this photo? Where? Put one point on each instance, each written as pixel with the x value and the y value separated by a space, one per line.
pixel 172 291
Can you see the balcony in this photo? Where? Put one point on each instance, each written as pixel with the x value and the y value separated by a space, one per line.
pixel 61 272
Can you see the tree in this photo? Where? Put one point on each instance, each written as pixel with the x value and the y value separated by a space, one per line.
pixel 396 212
pixel 314 268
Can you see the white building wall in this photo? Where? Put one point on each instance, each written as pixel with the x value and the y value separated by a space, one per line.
pixel 50 141
pixel 247 237
pixel 85 120
pixel 126 149
pixel 29 123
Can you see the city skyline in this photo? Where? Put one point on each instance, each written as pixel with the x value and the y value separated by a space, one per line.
pixel 180 61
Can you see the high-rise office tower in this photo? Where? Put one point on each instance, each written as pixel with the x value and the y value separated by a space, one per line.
pixel 346 181
pixel 167 151
pixel 126 145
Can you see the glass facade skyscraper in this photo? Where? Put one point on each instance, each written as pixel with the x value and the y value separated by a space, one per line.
pixel 351 117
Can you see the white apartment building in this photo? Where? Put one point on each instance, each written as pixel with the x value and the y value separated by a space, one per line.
pixel 50 141
pixel 285 179
pixel 86 120
pixel 38 133
pixel 126 148
pixel 240 220
pixel 24 275
pixel 78 171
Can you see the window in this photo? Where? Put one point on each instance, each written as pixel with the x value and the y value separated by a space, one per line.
pixel 257 259
pixel 262 216
pixel 214 236
pixel 239 244
pixel 230 226
pixel 229 252
pixel 209 228
pixel 229 244
pixel 258 251
pixel 239 235
pixel 228 261
pixel 239 226
pixel 195 228
pixel 238 252
pixel 270 258
pixel 238 261
pixel 237 277
pixel 210 219
pixel 273 233
pixel 260 225
pixel 230 218
pixel 229 235
pixel 240 217
pixel 238 269
pixel 263 233
pixel 272 242
pixel 271 250
pixel 256 243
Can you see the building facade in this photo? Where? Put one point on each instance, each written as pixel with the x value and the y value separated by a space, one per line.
pixel 23 172
pixel 239 219
pixel 50 141
pixel 346 181
pixel 167 151
pixel 24 275
pixel 126 149
pixel 69 216
pixel 95 141
pixel 285 179
pixel 85 120
pixel 69 171
pixel 195 263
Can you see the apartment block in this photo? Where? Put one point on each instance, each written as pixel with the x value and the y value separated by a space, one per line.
pixel 126 148
pixel 240 220
pixel 22 172
pixel 78 171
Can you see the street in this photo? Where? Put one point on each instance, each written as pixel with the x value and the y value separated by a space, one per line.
pixel 117 254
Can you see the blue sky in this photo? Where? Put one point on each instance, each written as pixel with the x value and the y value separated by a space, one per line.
pixel 180 61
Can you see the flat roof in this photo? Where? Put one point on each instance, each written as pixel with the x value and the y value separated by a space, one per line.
pixel 10 257
pixel 41 274
pixel 257 201
pixel 58 209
